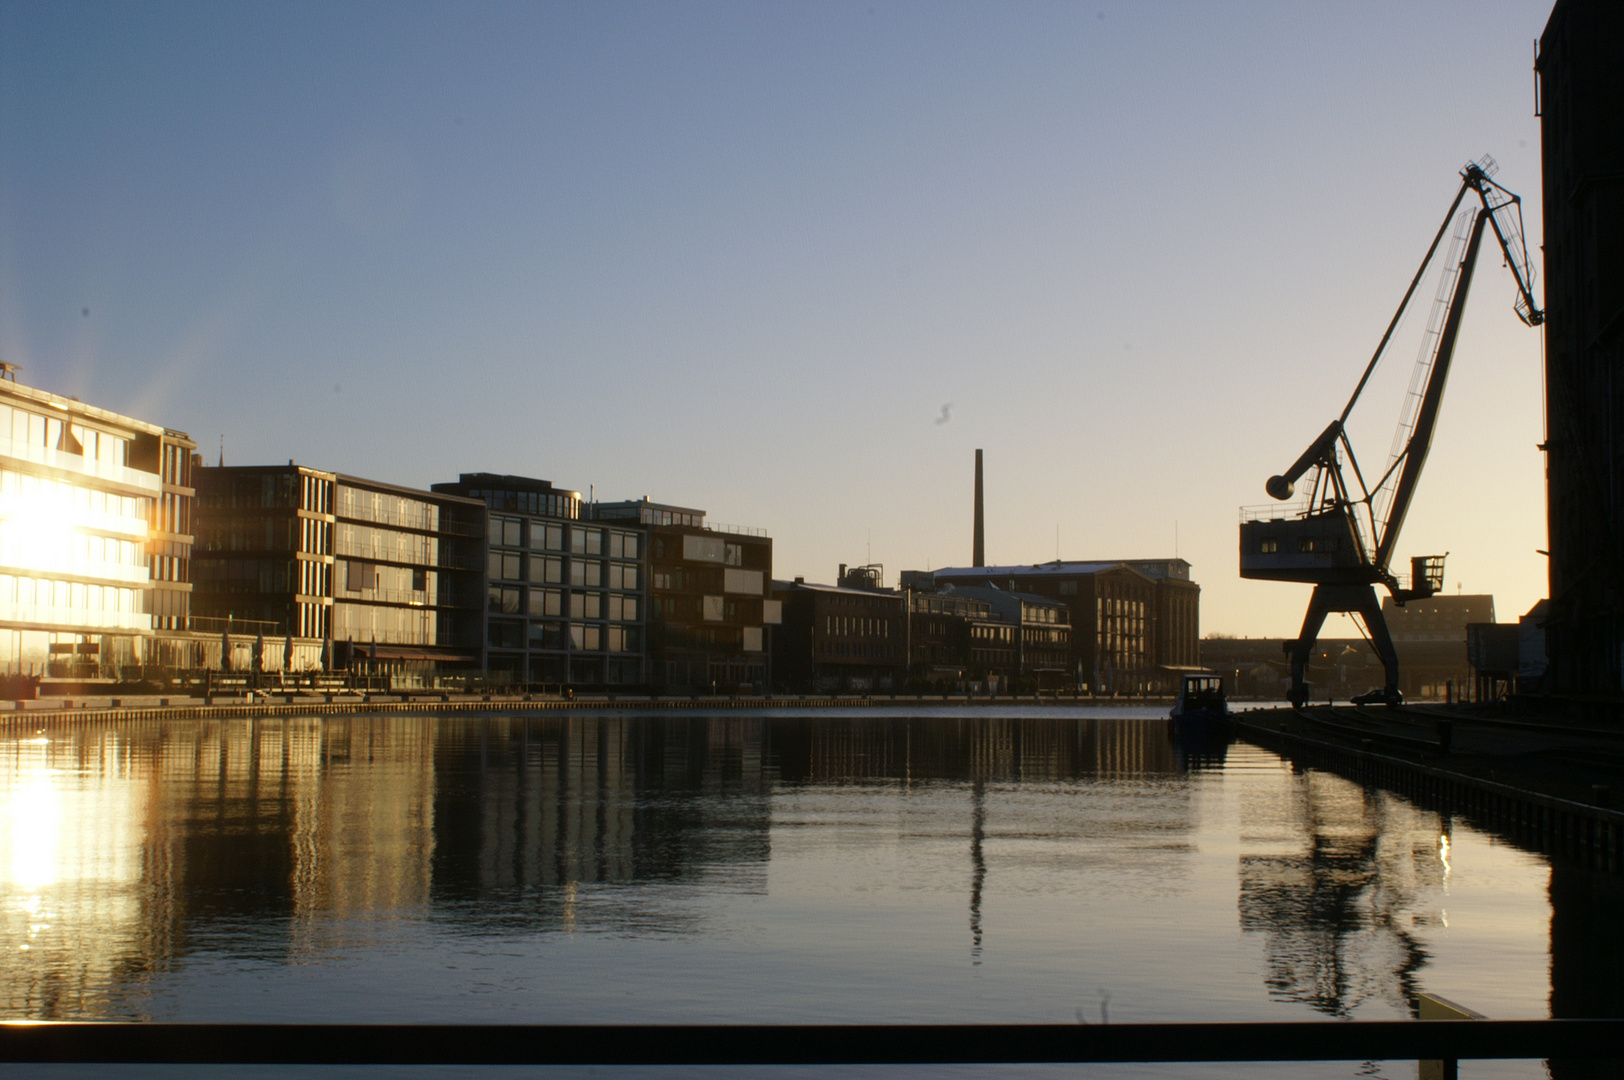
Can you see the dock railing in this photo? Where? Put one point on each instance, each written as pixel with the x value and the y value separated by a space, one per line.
pixel 805 1044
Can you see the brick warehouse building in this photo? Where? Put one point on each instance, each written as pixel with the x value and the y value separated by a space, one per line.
pixel 1135 624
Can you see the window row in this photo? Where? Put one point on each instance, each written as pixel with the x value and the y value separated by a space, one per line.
pixel 510 600
pixel 849 626
pixel 387 509
pixel 386 625
pixel 54 433
pixel 575 539
pixel 389 545
pixel 545 504
pixel 34 592
pixel 579 637
pixel 556 570
pixel 67 551
pixel 45 503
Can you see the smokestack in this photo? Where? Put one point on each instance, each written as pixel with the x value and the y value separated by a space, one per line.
pixel 978 552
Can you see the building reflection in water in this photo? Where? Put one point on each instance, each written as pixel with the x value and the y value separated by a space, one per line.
pixel 128 849
pixel 1337 914
pixel 531 814
pixel 1021 785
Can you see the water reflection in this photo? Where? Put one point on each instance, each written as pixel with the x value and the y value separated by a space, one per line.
pixel 762 862
pixel 531 811
pixel 1339 915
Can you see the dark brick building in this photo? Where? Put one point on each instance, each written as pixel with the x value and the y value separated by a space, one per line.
pixel 1581 104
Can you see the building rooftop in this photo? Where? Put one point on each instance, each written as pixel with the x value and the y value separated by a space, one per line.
pixel 811 586
pixel 1151 568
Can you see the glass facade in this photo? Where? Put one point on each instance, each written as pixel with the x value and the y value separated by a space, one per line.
pixel 564 597
pixel 94 509
pixel 393 572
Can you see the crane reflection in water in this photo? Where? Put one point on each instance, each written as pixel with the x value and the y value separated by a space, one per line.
pixel 1339 916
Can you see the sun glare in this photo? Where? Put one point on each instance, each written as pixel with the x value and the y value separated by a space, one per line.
pixel 37 528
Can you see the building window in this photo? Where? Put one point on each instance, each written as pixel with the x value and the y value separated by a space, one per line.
pixel 586 572
pixel 586 541
pixel 622 545
pixel 546 602
pixel 622 575
pixel 547 537
pixel 549 635
pixel 546 569
pixel 623 608
pixel 503 599
pixel 586 605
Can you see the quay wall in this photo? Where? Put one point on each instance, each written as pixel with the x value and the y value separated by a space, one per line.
pixel 1591 835
pixel 17 715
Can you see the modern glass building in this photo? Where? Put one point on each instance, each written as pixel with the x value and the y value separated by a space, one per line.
pixel 391 576
pixel 566 598
pixel 95 510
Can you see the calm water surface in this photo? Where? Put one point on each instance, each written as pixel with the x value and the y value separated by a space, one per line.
pixel 956 866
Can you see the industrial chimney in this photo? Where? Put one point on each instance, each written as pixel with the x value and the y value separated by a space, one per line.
pixel 978 553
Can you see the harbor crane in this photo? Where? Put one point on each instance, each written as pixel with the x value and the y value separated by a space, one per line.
pixel 1341 537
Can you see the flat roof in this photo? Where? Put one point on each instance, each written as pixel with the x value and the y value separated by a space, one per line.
pixel 1050 569
pixel 78 408
pixel 814 587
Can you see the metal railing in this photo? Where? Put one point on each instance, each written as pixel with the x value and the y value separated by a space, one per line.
pixel 805 1044
pixel 738 530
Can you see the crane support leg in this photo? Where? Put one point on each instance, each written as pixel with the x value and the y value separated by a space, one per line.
pixel 1359 600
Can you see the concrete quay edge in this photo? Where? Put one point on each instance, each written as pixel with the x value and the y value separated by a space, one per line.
pixel 1515 805
pixel 28 713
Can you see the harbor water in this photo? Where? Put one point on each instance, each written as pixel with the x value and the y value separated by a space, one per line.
pixel 969 865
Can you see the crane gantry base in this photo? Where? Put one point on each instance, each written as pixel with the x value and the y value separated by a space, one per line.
pixel 1357 600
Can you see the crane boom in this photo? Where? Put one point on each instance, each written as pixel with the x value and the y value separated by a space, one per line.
pixel 1426 419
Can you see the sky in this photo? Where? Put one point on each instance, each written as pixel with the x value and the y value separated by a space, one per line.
pixel 791 264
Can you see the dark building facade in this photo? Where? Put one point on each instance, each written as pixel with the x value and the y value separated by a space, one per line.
pixel 393 576
pixel 954 639
pixel 709 612
pixel 566 598
pixel 1042 633
pixel 838 639
pixel 1581 104
pixel 1135 624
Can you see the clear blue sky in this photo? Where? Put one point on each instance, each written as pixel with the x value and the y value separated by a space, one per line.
pixel 739 257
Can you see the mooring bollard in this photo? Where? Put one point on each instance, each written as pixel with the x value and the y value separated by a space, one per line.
pixel 1433 1007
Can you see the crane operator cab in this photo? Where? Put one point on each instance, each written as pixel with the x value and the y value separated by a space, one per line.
pixel 1341 537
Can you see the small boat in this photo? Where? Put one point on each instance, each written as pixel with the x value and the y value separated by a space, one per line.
pixel 1200 708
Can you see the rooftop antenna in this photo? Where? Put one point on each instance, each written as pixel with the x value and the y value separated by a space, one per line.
pixel 222 451
pixel 1175 538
